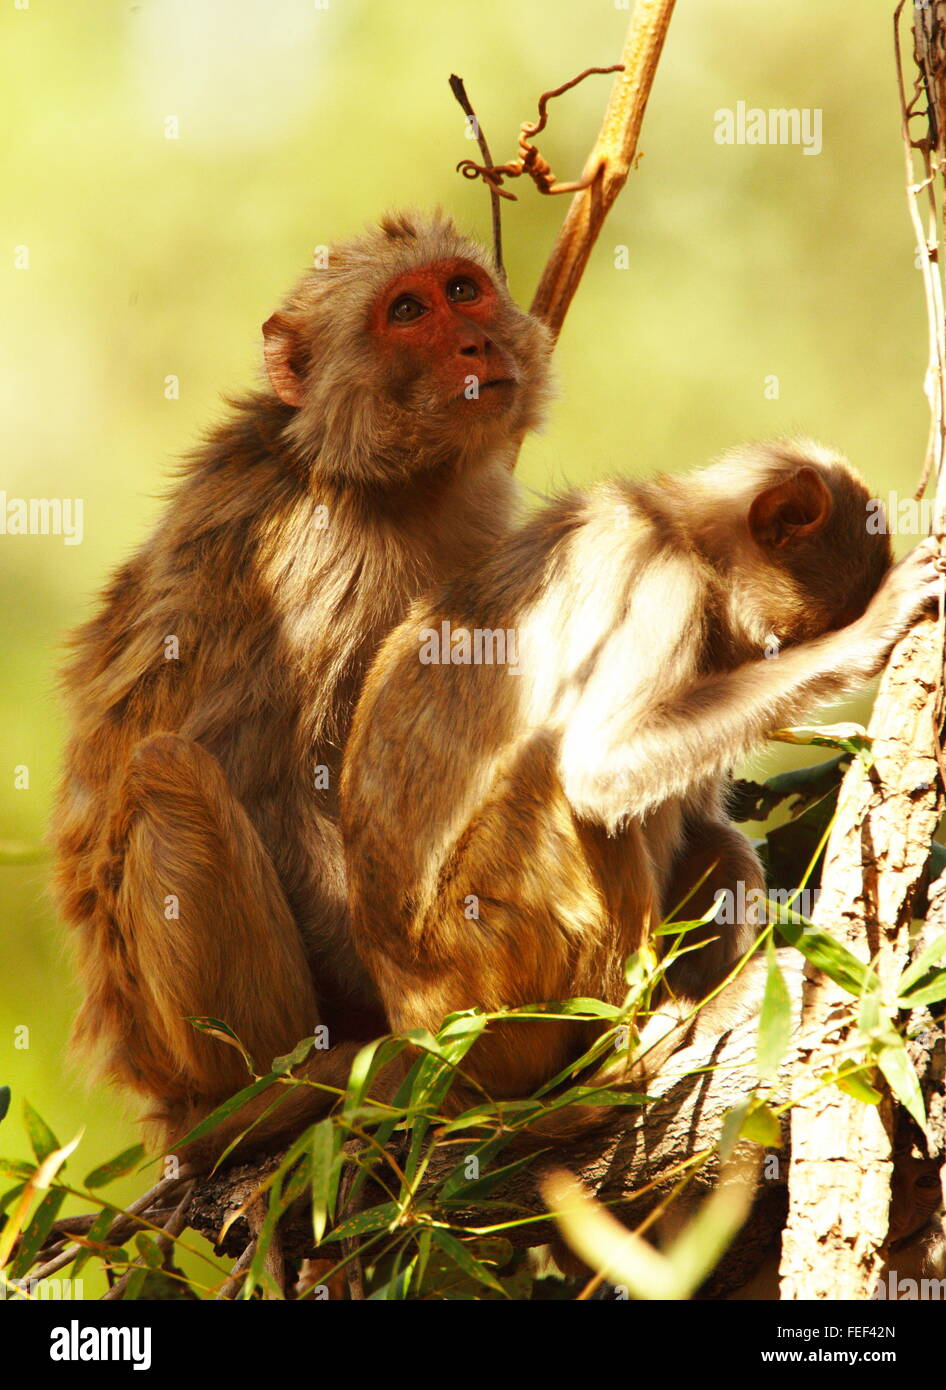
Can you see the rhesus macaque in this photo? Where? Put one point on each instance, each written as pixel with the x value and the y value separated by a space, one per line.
pixel 199 856
pixel 513 831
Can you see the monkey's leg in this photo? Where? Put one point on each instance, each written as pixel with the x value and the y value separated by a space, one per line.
pixel 192 921
pixel 717 852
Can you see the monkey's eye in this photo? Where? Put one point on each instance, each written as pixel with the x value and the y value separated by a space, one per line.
pixel 461 290
pixel 406 309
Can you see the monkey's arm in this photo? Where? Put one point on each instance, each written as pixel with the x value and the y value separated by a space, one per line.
pixel 613 769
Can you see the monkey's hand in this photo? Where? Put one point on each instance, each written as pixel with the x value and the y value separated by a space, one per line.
pixel 908 589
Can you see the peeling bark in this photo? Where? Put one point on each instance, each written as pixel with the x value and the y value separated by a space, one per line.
pixel 842 1150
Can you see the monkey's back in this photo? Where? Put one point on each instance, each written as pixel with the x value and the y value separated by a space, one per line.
pixel 472 880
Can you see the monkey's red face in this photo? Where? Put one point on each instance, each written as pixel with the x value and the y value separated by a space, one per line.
pixel 438 330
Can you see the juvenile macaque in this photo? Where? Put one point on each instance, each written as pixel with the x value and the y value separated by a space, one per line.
pixel 199 855
pixel 514 828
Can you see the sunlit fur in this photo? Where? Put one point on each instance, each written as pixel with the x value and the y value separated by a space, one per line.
pixel 512 838
pixel 198 863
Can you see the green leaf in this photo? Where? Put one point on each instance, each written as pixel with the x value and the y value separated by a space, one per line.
pixel 327 1159
pixel 853 738
pixel 363 1069
pixel 423 1255
pixel 136 1282
pixel 762 1126
pixel 16 1168
pixel 731 1132
pixel 856 1084
pixel 828 955
pixel 465 1261
pixel 258 1275
pixel 4 1101
pixel 930 992
pixel 457 1183
pixel 688 924
pixel 36 1231
pixel 596 1095
pixel 216 1028
pixel 21 852
pixel 149 1250
pixel 228 1108
pixel 395 1289
pixel 299 1180
pixel 894 1062
pixel 11 1194
pixel 116 1167
pixel 775 1018
pixel 96 1233
pixel 41 1137
pixel 568 1008
pixel 870 1018
pixel 302 1051
pixel 374 1219
pixel 463 1024
pixel 923 962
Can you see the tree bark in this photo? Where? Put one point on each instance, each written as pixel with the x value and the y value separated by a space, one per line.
pixel 842 1149
pixel 632 1163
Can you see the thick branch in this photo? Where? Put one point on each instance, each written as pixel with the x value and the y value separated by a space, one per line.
pixel 608 164
pixel 633 1162
pixel 842 1150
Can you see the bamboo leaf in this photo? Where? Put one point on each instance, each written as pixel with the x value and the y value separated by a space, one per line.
pixel 41 1137
pixel 326 1160
pixel 374 1219
pixel 900 1075
pixel 826 954
pixel 775 1018
pixel 465 1261
pixel 116 1167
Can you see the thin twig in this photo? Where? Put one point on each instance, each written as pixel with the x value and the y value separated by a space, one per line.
pixel 530 162
pixel 231 1287
pixel 139 1207
pixel 172 1229
pixel 71 1226
pixel 459 91
pixel 56 1263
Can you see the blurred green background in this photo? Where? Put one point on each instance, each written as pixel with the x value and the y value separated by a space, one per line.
pixel 151 257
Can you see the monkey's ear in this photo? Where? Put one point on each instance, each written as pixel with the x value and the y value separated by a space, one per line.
pixel 280 350
pixel 797 507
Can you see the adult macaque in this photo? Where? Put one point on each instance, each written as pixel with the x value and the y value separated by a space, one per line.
pixel 199 855
pixel 514 830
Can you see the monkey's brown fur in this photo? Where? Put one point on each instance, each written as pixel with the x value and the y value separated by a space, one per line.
pixel 189 784
pixel 511 838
